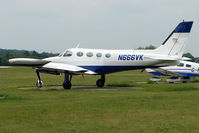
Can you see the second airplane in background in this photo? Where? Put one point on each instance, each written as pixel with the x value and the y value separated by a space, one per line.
pixel 100 62
pixel 181 72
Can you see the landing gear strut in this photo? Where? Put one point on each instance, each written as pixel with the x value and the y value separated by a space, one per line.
pixel 100 82
pixel 67 82
pixel 39 83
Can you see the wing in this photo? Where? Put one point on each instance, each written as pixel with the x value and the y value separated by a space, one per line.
pixel 161 71
pixel 61 68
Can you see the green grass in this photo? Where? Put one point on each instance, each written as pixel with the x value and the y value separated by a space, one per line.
pixel 158 107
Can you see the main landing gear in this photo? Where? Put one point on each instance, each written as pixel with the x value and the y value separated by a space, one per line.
pixel 67 81
pixel 100 82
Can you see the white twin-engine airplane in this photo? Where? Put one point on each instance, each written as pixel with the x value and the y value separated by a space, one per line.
pixel 100 62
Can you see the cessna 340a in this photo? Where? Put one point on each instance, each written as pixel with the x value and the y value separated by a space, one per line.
pixel 100 62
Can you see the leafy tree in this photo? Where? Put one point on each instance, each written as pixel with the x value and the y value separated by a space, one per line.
pixel 34 53
pixel 6 54
pixel 189 55
pixel 26 53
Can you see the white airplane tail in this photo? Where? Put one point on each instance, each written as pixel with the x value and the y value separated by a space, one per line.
pixel 175 44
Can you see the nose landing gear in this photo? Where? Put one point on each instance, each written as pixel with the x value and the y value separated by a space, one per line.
pixel 39 83
pixel 66 84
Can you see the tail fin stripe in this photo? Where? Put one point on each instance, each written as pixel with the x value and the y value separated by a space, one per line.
pixel 183 27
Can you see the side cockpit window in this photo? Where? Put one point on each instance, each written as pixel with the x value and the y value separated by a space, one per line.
pixel 187 65
pixel 181 65
pixel 68 53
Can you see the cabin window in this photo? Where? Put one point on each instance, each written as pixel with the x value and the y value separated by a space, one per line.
pixel 79 53
pixel 187 65
pixel 181 65
pixel 68 53
pixel 89 54
pixel 108 55
pixel 99 54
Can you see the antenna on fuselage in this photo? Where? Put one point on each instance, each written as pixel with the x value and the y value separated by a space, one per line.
pixel 77 45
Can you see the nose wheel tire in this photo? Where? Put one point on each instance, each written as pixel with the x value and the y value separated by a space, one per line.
pixel 67 85
pixel 39 84
pixel 100 83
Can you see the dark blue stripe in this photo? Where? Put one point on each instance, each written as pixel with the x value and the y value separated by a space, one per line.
pixel 177 69
pixel 111 69
pixel 183 27
pixel 181 73
pixel 158 73
pixel 188 74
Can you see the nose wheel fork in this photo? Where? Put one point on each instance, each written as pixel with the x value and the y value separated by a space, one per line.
pixel 39 83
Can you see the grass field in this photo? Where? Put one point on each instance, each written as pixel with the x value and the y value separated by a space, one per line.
pixel 158 107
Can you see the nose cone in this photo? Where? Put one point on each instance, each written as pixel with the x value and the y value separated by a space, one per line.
pixel 11 61
pixel 17 61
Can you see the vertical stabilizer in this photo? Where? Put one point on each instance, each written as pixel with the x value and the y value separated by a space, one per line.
pixel 175 44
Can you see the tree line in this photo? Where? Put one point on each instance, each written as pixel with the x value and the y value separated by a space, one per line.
pixel 6 54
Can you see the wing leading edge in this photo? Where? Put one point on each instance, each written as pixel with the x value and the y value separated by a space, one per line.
pixel 61 68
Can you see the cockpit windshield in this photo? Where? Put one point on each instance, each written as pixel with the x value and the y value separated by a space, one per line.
pixel 61 54
pixel 66 53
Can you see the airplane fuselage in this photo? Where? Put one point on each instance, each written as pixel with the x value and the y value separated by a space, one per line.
pixel 108 61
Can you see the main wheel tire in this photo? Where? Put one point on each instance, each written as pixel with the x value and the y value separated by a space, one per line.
pixel 100 83
pixel 67 85
pixel 39 84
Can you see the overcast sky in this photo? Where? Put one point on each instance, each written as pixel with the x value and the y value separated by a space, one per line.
pixel 55 25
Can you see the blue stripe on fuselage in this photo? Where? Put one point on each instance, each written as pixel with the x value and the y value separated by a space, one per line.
pixel 111 69
pixel 157 73
pixel 188 74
